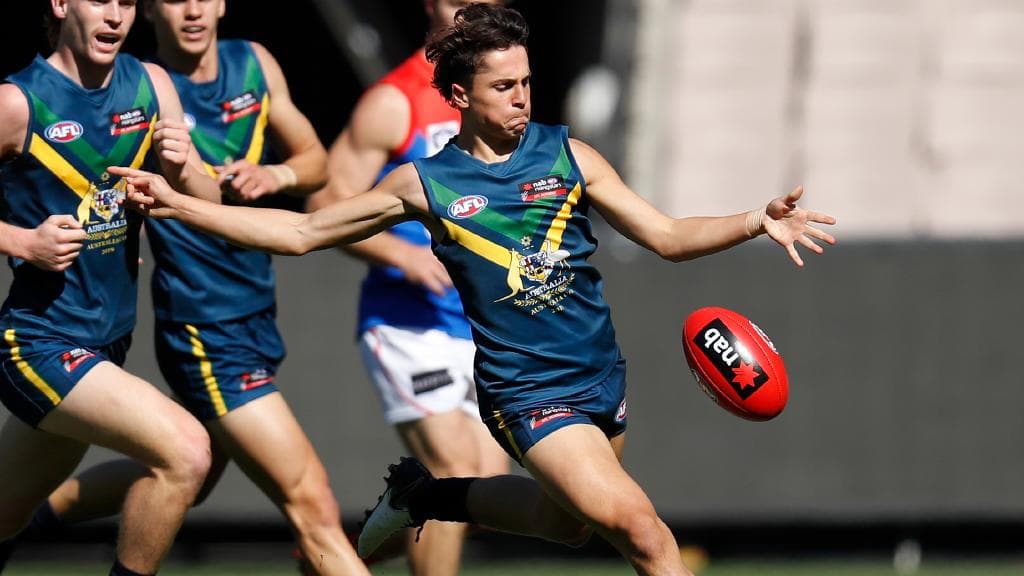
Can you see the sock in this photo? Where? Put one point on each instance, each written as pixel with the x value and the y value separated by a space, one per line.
pixel 45 519
pixel 442 499
pixel 118 569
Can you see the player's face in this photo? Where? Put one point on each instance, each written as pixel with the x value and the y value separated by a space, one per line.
pixel 95 29
pixel 499 97
pixel 442 12
pixel 189 26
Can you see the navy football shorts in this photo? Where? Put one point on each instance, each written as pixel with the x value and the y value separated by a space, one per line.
pixel 215 368
pixel 602 405
pixel 39 371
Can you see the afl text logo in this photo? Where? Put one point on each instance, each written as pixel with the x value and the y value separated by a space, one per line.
pixel 64 131
pixel 467 206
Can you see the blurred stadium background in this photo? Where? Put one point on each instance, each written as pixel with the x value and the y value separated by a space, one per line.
pixel 901 117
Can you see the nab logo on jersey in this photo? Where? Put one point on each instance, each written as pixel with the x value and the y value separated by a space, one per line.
pixel 467 206
pixel 64 131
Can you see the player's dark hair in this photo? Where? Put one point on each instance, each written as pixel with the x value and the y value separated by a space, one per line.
pixel 457 52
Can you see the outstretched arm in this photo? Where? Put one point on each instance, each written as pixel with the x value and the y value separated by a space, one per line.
pixel 679 239
pixel 399 197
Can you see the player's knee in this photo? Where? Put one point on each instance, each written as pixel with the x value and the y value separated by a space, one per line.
pixel 644 533
pixel 189 460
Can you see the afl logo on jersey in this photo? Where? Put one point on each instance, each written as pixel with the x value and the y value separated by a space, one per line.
pixel 467 206
pixel 63 132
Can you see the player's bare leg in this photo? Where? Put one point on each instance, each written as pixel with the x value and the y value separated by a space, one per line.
pixel 449 444
pixel 266 441
pixel 112 408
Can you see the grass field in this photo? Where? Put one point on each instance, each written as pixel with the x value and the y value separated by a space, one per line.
pixel 581 568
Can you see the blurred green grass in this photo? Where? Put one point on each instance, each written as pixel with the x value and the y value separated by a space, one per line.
pixel 936 567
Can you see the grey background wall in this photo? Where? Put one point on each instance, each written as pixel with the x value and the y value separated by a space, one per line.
pixel 904 358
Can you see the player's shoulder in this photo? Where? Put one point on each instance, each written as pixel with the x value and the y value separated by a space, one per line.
pixel 14 118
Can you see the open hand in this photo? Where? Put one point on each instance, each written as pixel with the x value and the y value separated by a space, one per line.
pixel 787 224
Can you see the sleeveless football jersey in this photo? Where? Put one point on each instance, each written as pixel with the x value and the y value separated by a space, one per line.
pixel 517 248
pixel 387 297
pixel 74 134
pixel 200 278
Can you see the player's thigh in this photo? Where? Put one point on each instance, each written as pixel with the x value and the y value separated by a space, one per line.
pixel 265 439
pixel 110 407
pixel 447 443
pixel 32 464
pixel 580 470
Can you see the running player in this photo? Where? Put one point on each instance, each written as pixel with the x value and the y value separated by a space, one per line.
pixel 217 342
pixel 415 340
pixel 506 202
pixel 73 247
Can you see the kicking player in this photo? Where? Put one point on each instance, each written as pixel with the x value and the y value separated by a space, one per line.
pixel 217 342
pixel 506 202
pixel 414 337
pixel 73 247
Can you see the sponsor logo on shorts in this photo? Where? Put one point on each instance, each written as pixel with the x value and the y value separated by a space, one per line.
pixel 467 206
pixel 620 414
pixel 73 358
pixel 63 132
pixel 544 416
pixel 733 361
pixel 545 187
pixel 426 381
pixel 240 106
pixel 129 121
pixel 256 378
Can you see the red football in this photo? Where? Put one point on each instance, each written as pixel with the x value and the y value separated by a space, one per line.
pixel 735 363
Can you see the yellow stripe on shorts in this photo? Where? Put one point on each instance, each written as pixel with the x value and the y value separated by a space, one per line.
pixel 206 369
pixel 27 370
pixel 508 434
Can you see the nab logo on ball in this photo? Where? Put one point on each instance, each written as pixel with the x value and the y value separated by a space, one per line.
pixel 467 206
pixel 733 361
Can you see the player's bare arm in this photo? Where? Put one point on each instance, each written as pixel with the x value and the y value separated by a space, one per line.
pixel 294 138
pixel 179 160
pixel 56 242
pixel 679 239
pixel 397 198
pixel 379 123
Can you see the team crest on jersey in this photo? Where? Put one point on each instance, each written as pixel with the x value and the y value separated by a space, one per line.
pixel 129 121
pixel 63 132
pixel 544 416
pixel 257 378
pixel 546 187
pixel 538 267
pixel 106 203
pixel 467 206
pixel 73 358
pixel 240 106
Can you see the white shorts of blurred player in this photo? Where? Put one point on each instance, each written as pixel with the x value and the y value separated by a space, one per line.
pixel 418 373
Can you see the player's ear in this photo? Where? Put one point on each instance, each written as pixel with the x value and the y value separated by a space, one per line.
pixel 60 8
pixel 222 9
pixel 460 96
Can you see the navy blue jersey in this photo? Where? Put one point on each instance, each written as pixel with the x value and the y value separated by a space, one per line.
pixel 74 134
pixel 200 278
pixel 517 248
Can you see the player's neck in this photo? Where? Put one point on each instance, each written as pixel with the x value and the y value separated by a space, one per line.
pixel 80 69
pixel 489 150
pixel 198 68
